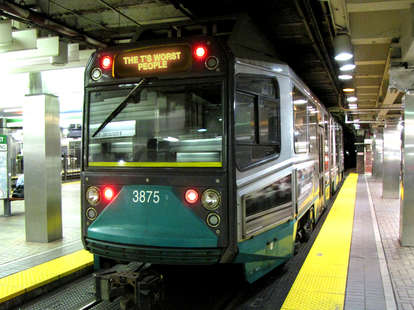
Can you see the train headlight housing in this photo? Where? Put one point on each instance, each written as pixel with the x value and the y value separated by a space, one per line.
pixel 213 220
pixel 91 213
pixel 92 195
pixel 210 199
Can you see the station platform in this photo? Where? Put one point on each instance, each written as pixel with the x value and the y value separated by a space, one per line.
pixel 26 266
pixel 352 261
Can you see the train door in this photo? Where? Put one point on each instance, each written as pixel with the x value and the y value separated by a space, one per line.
pixel 321 166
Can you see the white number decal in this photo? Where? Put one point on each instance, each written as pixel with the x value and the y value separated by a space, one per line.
pixel 146 196
pixel 135 198
pixel 156 198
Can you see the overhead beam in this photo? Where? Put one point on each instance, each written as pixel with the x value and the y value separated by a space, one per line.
pixel 370 62
pixel 368 76
pixel 42 21
pixel 375 6
pixel 390 97
pixel 368 86
pixel 372 40
pixel 339 14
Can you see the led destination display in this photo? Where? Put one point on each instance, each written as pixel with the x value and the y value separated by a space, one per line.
pixel 155 60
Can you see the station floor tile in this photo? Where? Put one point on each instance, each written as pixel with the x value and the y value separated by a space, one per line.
pixel 17 254
pixel 400 260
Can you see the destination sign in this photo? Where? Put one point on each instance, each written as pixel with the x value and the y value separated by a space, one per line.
pixel 153 61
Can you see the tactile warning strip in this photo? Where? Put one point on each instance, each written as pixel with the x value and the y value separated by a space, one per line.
pixel 30 279
pixel 321 282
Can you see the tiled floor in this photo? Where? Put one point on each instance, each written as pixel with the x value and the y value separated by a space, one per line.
pixel 16 254
pixel 400 260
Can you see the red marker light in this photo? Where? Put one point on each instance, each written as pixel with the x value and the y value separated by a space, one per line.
pixel 200 51
pixel 191 196
pixel 108 193
pixel 106 62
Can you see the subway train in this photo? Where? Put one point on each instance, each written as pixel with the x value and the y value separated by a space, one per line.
pixel 200 151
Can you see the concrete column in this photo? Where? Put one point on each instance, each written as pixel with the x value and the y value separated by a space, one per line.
pixel 42 179
pixel 407 174
pixel 392 160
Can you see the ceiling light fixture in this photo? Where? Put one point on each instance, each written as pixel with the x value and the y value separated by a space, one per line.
pixel 347 65
pixel 345 77
pixel 343 47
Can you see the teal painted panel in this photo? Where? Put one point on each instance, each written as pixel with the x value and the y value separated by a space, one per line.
pixel 159 220
pixel 266 251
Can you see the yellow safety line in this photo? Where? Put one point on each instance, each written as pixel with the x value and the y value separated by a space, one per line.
pixel 321 281
pixel 155 164
pixel 30 279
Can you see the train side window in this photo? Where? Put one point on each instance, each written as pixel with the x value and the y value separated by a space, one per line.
pixel 313 124
pixel 300 116
pixel 257 120
pixel 245 118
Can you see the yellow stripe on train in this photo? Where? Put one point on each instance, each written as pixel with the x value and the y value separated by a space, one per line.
pixel 155 164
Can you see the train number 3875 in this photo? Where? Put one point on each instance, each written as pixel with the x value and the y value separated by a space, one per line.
pixel 146 196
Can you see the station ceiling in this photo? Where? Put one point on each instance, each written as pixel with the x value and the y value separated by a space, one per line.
pixel 302 32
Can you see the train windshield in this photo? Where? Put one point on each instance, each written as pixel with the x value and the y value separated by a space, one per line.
pixel 164 126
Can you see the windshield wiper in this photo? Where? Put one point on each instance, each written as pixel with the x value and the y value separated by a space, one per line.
pixel 120 107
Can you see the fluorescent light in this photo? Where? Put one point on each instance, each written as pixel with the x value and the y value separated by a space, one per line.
pixel 345 77
pixel 347 67
pixel 343 56
pixel 352 99
pixel 348 90
pixel 352 106
pixel 343 47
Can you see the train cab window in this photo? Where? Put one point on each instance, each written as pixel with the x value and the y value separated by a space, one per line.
pixel 171 126
pixel 257 121
pixel 300 116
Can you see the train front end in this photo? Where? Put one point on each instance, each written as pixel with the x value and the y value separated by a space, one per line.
pixel 154 173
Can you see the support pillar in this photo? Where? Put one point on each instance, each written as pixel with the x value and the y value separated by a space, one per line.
pixel 42 179
pixel 407 174
pixel 378 148
pixel 392 160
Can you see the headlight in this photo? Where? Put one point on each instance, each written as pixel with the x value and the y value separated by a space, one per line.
pixel 213 220
pixel 210 199
pixel 91 213
pixel 92 195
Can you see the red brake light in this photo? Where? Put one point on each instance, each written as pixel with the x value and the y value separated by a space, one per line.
pixel 108 193
pixel 106 62
pixel 200 52
pixel 191 196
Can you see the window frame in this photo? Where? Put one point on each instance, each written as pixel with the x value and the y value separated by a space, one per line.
pixel 258 99
pixel 161 83
pixel 306 123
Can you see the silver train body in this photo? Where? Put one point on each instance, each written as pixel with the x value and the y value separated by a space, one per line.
pixel 310 172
